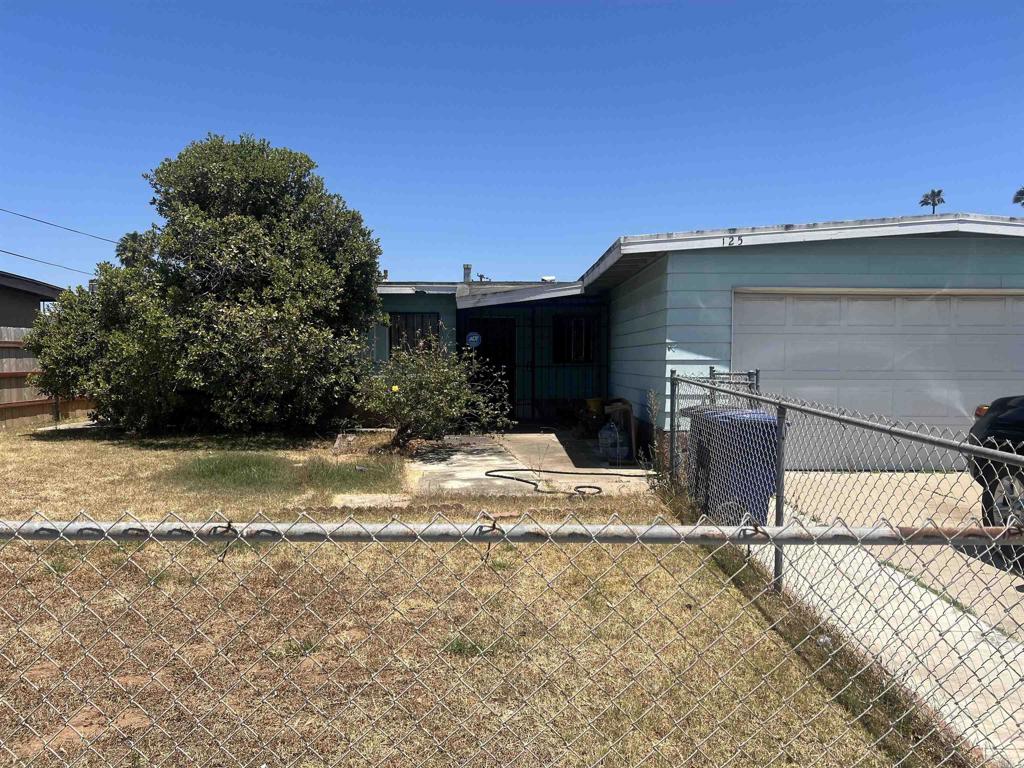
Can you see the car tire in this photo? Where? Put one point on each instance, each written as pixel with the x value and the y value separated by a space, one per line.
pixel 1002 505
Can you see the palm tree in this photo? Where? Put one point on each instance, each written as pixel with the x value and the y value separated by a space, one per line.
pixel 1018 198
pixel 933 198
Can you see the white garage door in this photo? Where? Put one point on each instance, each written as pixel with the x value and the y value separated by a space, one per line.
pixel 920 358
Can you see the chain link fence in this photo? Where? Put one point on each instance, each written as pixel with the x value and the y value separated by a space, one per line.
pixel 494 643
pixel 748 457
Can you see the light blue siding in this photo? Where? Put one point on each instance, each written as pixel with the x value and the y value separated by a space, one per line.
pixel 637 343
pixel 679 309
pixel 708 278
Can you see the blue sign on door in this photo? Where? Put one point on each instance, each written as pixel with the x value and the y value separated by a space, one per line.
pixel 473 339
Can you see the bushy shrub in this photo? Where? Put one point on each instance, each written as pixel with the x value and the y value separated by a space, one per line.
pixel 246 309
pixel 428 391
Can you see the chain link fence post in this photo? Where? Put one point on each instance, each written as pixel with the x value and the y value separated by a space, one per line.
pixel 673 389
pixel 780 489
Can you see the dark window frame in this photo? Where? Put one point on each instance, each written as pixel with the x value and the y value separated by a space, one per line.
pixel 406 327
pixel 573 339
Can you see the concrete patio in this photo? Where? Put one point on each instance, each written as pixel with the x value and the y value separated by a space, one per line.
pixel 459 465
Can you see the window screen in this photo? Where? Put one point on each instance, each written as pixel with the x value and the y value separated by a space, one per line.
pixel 573 339
pixel 407 327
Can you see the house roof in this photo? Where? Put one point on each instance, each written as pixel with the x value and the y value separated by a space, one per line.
pixel 485 293
pixel 414 287
pixel 627 255
pixel 44 291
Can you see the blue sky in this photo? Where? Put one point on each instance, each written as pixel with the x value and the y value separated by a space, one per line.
pixel 520 136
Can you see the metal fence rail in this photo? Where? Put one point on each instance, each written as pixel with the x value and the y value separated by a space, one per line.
pixel 488 531
pixel 490 642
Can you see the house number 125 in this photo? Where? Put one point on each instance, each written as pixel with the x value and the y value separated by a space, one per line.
pixel 733 240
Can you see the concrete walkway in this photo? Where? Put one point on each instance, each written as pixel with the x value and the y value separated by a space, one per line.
pixel 458 464
pixel 560 452
pixel 966 670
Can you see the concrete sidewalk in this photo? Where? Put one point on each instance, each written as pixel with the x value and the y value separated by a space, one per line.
pixel 966 670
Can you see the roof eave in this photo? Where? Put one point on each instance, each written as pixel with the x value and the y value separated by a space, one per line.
pixel 742 237
pixel 44 291
pixel 518 295
pixel 655 246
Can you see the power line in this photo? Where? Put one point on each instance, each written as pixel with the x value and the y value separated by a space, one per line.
pixel 58 226
pixel 50 263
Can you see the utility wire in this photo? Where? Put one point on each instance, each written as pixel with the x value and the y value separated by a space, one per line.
pixel 58 226
pixel 50 263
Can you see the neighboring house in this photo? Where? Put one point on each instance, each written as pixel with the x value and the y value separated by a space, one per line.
pixel 20 300
pixel 917 318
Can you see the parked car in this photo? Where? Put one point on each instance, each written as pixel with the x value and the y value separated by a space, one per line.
pixel 1000 425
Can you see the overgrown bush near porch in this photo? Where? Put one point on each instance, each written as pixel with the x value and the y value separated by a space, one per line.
pixel 427 390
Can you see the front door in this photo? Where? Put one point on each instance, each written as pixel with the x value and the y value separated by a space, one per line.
pixel 497 345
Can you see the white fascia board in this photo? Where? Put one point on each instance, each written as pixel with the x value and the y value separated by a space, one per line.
pixel 740 238
pixel 808 291
pixel 517 295
pixel 598 268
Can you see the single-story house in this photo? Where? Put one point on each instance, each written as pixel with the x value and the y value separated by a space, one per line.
pixel 918 318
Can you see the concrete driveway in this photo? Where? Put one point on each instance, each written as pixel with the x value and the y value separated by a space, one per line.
pixel 915 498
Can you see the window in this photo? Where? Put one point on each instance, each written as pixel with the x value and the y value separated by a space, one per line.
pixel 573 338
pixel 407 327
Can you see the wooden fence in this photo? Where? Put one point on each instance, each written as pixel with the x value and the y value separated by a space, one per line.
pixel 20 403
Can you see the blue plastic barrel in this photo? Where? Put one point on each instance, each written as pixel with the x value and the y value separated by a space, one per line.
pixel 731 468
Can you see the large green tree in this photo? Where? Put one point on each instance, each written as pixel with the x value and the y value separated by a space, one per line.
pixel 1018 197
pixel 245 308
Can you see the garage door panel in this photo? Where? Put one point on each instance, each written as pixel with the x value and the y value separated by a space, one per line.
pixel 875 356
pixel 763 351
pixel 922 401
pixel 986 312
pixel 811 354
pixel 1016 312
pixel 815 312
pixel 913 356
pixel 924 311
pixel 870 311
pixel 760 311
pixel 871 397
pixel 929 359
pixel 819 392
pixel 971 356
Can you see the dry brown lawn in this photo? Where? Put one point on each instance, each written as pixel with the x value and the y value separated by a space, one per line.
pixel 106 474
pixel 399 655
pixel 407 655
